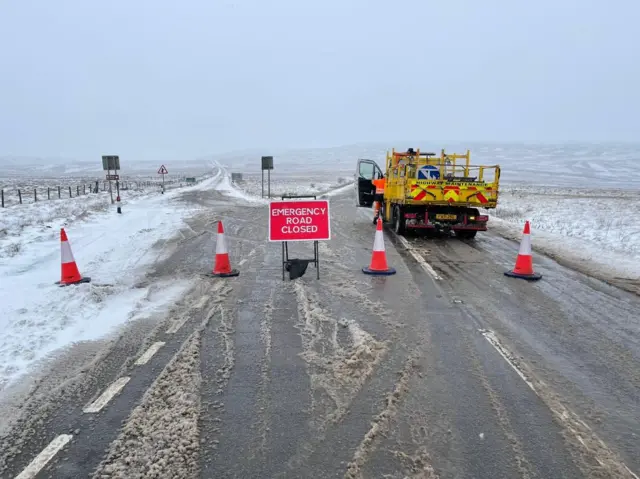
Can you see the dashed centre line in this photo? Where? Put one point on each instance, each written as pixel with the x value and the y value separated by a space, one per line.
pixel 418 257
pixel 177 324
pixel 148 354
pixel 42 459
pixel 107 395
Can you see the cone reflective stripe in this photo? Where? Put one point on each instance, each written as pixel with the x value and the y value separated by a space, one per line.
pixel 379 264
pixel 69 273
pixel 221 245
pixel 524 262
pixel 222 266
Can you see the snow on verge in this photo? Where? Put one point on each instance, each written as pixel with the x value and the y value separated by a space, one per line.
pixel 37 317
pixel 588 230
pixel 30 222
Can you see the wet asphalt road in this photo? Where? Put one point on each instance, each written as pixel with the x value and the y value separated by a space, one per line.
pixel 470 375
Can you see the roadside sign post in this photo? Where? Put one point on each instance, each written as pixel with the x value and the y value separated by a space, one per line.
pixel 301 220
pixel 163 171
pixel 112 163
pixel 267 164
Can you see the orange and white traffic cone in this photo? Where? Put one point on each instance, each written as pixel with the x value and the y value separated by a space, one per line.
pixel 524 261
pixel 222 266
pixel 69 271
pixel 379 264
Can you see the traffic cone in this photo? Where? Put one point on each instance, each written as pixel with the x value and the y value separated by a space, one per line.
pixel 69 271
pixel 222 266
pixel 378 264
pixel 524 261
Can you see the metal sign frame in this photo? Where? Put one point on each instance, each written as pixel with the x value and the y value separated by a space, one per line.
pixel 286 261
pixel 112 163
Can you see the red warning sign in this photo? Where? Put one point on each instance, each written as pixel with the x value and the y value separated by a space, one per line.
pixel 307 220
pixel 163 170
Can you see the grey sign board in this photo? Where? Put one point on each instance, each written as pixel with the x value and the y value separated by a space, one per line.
pixel 110 162
pixel 267 162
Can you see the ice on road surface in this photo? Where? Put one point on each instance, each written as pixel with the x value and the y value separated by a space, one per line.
pixel 470 375
pixel 38 317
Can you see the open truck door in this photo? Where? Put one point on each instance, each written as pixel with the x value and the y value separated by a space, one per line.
pixel 366 171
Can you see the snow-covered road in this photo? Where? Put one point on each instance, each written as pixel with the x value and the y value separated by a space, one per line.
pixel 470 375
pixel 446 369
pixel 38 317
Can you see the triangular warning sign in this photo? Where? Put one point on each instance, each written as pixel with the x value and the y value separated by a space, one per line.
pixel 163 170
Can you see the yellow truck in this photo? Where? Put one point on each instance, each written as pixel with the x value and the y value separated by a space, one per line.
pixel 424 191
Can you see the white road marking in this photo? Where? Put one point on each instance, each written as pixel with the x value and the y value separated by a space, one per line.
pixel 497 345
pixel 565 413
pixel 631 472
pixel 243 261
pixel 418 257
pixel 148 354
pixel 44 457
pixel 177 324
pixel 107 395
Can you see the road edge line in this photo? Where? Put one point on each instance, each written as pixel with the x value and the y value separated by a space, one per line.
pixel 493 340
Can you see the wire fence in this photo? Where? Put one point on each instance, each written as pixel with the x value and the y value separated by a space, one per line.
pixel 27 194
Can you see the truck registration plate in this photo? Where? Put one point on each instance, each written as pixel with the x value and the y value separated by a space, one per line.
pixel 446 217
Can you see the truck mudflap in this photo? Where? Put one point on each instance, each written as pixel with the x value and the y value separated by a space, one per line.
pixel 451 223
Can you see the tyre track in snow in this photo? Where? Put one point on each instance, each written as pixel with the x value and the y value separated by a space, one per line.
pixel 93 432
pixel 350 376
pixel 578 335
pixel 58 408
pixel 508 404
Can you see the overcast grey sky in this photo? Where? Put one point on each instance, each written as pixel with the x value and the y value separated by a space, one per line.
pixel 167 79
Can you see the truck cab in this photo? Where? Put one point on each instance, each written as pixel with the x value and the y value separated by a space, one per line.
pixel 366 171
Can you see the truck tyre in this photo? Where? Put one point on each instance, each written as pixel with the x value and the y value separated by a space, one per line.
pixel 466 235
pixel 398 221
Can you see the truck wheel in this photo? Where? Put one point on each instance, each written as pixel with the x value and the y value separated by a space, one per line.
pixel 468 234
pixel 399 221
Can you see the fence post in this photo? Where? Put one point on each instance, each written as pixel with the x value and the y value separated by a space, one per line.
pixel 84 189
pixel 35 195
pixel 20 196
pixel 48 193
pixel 59 193
pixel 2 194
pixel 70 193
pixel 78 190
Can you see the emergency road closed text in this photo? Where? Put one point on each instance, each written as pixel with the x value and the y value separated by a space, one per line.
pixel 298 211
pixel 299 220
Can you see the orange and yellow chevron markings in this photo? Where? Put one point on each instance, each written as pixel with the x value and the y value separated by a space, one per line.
pixel 451 193
pixel 417 193
pixel 481 198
